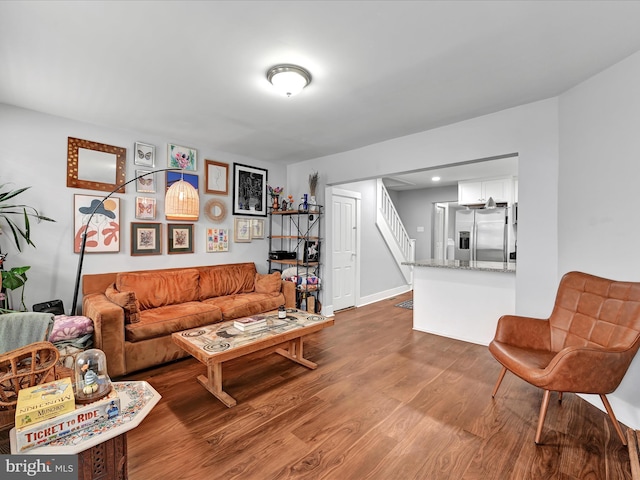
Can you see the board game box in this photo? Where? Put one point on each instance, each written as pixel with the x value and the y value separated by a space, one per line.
pixel 45 401
pixel 83 416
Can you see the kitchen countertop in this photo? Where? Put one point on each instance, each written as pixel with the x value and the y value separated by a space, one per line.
pixel 508 267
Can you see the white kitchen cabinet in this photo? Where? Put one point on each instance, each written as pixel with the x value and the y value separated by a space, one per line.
pixel 479 191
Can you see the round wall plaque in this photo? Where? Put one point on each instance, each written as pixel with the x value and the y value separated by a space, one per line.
pixel 215 210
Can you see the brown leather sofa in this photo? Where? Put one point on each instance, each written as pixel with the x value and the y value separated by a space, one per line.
pixel 586 345
pixel 135 313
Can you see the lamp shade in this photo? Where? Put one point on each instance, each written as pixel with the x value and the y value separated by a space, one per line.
pixel 288 80
pixel 182 202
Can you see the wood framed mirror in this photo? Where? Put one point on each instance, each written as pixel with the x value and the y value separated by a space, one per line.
pixel 95 166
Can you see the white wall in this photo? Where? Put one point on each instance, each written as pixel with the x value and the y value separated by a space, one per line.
pixel 599 223
pixel 415 208
pixel 530 130
pixel 34 153
pixel 379 272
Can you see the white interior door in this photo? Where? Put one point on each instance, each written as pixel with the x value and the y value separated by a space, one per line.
pixel 344 251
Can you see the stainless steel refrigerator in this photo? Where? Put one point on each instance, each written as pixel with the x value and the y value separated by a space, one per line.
pixel 481 234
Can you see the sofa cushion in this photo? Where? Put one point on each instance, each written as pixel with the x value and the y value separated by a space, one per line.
pixel 268 283
pixel 160 288
pixel 162 321
pixel 222 280
pixel 243 305
pixel 127 300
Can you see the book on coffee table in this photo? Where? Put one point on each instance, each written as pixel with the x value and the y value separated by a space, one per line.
pixel 250 323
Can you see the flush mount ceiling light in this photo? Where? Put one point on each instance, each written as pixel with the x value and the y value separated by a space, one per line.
pixel 288 79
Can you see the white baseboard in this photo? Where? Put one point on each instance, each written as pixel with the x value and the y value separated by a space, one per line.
pixel 376 297
pixel 327 310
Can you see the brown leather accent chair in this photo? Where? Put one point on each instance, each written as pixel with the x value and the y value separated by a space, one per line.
pixel 585 346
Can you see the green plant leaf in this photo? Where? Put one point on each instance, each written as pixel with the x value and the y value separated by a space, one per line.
pixel 14 278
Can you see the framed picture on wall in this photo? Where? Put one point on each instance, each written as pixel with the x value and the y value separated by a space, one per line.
pixel 257 228
pixel 181 157
pixel 241 230
pixel 217 177
pixel 217 240
pixel 146 184
pixel 173 177
pixel 249 190
pixel 144 155
pixel 180 237
pixel 146 239
pixel 103 220
pixel 145 208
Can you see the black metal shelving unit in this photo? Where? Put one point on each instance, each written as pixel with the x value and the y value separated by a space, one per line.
pixel 298 232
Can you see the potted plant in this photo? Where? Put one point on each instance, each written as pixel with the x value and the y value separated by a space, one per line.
pixel 14 217
pixel 13 279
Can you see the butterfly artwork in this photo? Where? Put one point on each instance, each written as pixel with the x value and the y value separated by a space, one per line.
pixel 144 154
pixel 147 183
pixel 145 208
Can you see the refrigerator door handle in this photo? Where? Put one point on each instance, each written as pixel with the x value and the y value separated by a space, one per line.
pixel 474 238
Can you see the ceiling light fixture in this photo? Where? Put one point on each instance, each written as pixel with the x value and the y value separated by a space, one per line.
pixel 288 79
pixel 435 179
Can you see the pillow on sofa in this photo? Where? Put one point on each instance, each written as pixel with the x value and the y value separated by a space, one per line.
pixel 127 300
pixel 268 283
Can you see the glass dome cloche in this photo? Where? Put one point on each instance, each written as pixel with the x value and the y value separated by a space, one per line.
pixel 91 379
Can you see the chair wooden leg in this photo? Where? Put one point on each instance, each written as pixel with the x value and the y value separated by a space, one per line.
pixel 500 377
pixel 543 413
pixel 559 397
pixel 613 418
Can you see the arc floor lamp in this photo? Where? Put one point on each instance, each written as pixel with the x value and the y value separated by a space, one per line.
pixel 181 203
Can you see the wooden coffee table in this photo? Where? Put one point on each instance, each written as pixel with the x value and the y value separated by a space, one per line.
pixel 215 344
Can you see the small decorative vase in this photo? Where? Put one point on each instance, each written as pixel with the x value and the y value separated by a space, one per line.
pixel 305 205
pixel 276 202
pixel 313 204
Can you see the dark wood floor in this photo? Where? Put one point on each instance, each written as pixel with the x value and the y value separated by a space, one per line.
pixel 386 402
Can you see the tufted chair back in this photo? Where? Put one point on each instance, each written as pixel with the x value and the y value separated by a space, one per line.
pixel 597 312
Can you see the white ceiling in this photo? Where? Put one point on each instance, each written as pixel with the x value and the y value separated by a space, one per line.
pixel 451 175
pixel 195 71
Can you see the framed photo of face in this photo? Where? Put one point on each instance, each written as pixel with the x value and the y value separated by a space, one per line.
pixel 101 221
pixel 144 155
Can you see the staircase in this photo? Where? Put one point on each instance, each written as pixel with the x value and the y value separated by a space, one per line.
pixel 395 235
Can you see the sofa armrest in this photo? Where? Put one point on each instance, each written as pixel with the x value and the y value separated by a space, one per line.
pixel 108 324
pixel 289 292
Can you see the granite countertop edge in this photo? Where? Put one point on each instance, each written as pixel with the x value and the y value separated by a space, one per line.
pixel 506 267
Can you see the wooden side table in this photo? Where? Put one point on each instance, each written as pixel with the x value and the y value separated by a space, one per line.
pixel 102 447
